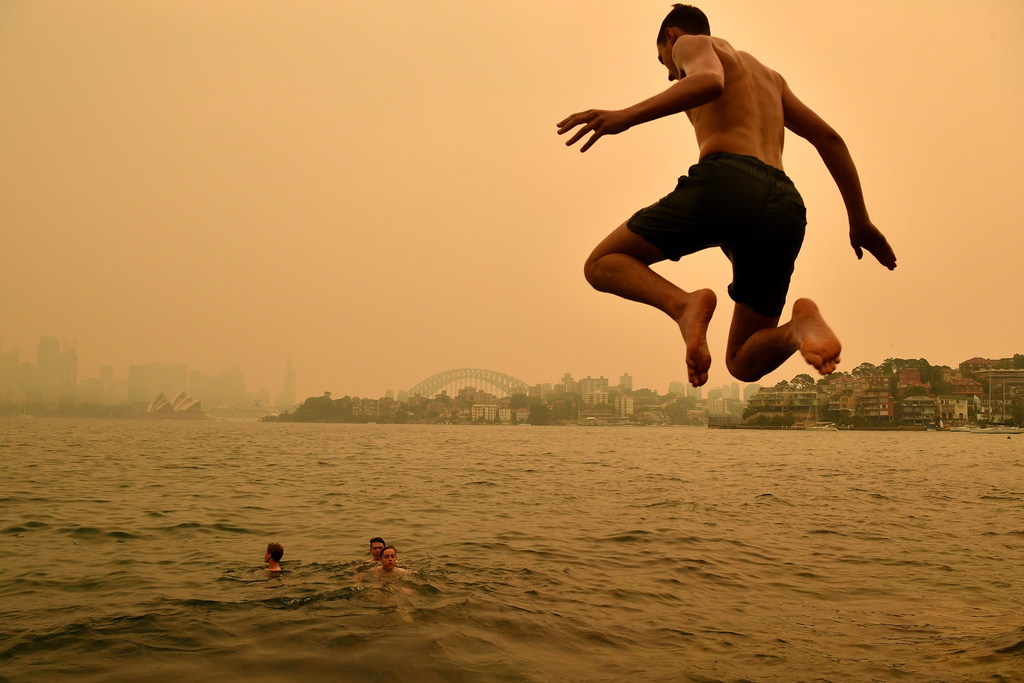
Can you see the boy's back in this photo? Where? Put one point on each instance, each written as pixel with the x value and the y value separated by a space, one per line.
pixel 748 117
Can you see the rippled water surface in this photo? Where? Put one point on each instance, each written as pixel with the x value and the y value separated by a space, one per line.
pixel 133 551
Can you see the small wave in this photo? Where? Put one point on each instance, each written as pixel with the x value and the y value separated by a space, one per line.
pixel 628 536
pixel 772 498
pixel 82 531
pixel 94 533
pixel 1015 649
pixel 664 503
pixel 27 526
pixel 221 526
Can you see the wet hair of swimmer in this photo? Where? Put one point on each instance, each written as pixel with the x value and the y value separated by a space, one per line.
pixel 276 551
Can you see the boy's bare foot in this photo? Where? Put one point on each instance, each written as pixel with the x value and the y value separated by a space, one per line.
pixel 817 343
pixel 693 323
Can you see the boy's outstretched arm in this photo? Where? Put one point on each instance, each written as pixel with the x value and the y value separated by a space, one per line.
pixel 833 151
pixel 704 82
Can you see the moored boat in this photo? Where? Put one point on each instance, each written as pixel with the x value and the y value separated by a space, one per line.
pixel 998 430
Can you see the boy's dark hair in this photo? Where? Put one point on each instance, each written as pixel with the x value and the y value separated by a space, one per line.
pixel 685 17
pixel 377 539
pixel 276 551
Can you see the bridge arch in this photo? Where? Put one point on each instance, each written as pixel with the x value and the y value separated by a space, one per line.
pixel 463 377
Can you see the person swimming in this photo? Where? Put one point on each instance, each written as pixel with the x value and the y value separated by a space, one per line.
pixel 388 570
pixel 377 546
pixel 273 555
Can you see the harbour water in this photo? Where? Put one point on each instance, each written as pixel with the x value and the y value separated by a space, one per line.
pixel 133 552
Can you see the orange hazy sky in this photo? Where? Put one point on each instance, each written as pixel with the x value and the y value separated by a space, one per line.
pixel 376 190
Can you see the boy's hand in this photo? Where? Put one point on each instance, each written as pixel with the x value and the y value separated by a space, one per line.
pixel 600 121
pixel 867 236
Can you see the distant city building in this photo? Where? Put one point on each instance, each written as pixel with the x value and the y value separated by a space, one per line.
pixel 876 403
pixel 999 378
pixel 223 391
pixel 102 390
pixel 696 393
pixel 954 410
pixel 677 388
pixel 910 377
pixel 10 384
pixel 918 410
pixel 488 412
pixel 170 378
pixel 750 390
pixel 625 383
pixel 541 391
pixel 624 406
pixel 365 407
pixel 975 364
pixel 718 406
pixel 287 398
pixel 593 391
pixel 47 383
pixel 949 375
pixel 146 382
pixel 140 384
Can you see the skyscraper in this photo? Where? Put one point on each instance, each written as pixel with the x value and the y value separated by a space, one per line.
pixel 286 401
pixel 48 372
pixel 69 376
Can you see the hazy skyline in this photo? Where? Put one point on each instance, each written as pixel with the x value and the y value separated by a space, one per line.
pixel 378 192
pixel 275 393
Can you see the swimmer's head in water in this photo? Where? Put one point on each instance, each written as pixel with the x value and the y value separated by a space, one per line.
pixel 377 546
pixel 389 558
pixel 275 551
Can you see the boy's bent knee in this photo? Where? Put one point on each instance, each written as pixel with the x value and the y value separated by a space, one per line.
pixel 742 373
pixel 592 271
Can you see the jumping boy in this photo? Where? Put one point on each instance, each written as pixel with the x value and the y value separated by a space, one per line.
pixel 736 197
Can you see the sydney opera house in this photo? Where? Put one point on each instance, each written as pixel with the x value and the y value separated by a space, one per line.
pixel 181 406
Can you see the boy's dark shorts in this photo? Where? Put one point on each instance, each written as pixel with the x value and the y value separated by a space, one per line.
pixel 749 209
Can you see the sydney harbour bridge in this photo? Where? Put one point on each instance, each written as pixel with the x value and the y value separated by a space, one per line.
pixel 452 381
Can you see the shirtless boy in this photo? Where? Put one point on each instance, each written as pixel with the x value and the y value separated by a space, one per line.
pixel 376 546
pixel 388 570
pixel 736 197
pixel 275 551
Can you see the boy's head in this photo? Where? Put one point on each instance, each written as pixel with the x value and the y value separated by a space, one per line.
pixel 389 557
pixel 376 546
pixel 275 551
pixel 687 18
